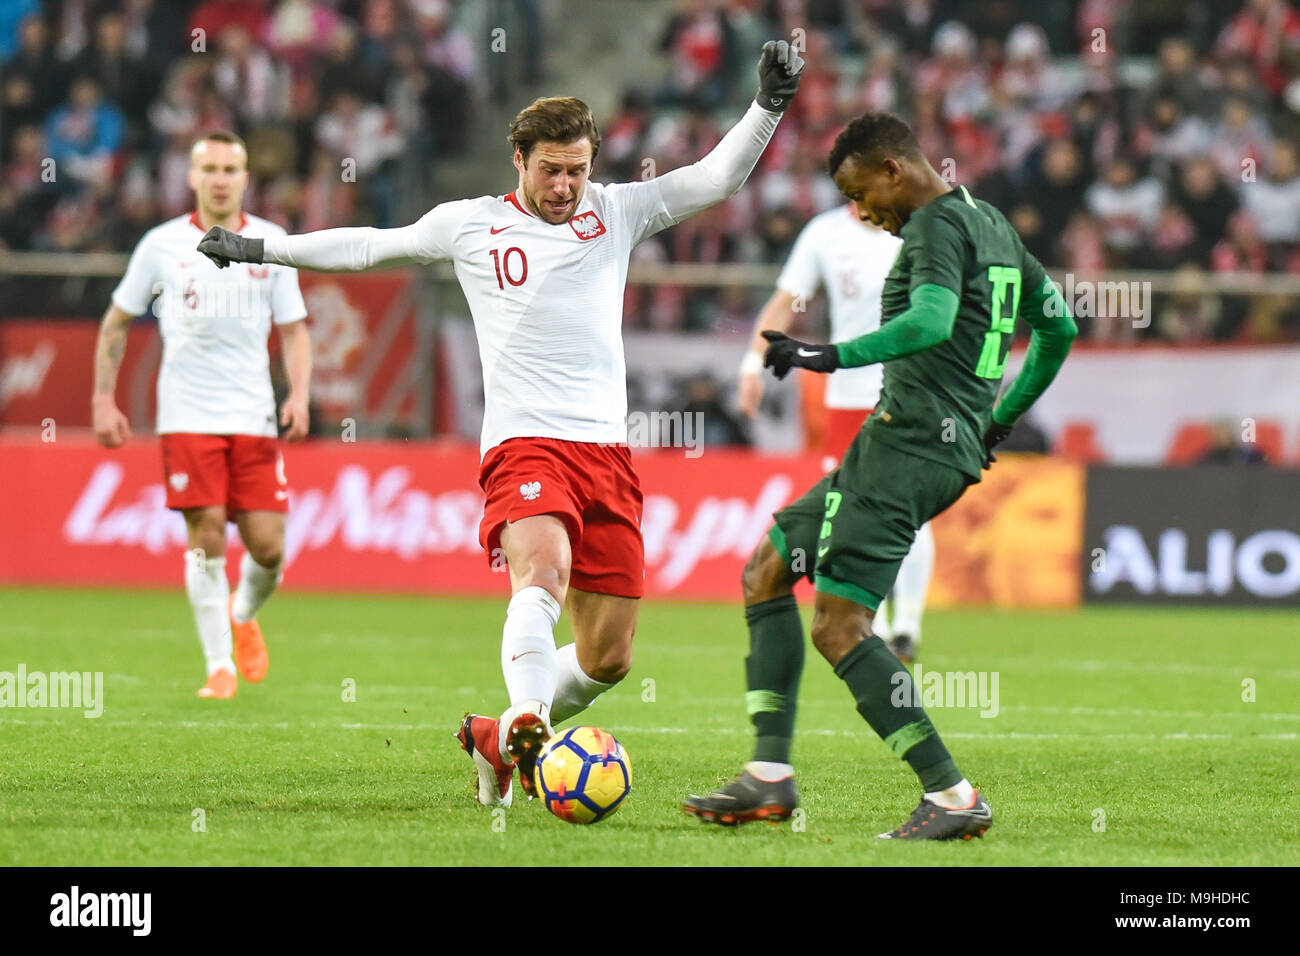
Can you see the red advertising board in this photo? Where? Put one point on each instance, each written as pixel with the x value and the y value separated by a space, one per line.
pixel 404 517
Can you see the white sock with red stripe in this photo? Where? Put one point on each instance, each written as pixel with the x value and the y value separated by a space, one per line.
pixel 209 593
pixel 256 584
pixel 574 690
pixel 528 651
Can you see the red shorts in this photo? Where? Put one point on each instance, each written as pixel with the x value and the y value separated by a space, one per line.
pixel 590 487
pixel 242 472
pixel 842 426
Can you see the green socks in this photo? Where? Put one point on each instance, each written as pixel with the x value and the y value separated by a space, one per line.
pixel 772 671
pixel 871 670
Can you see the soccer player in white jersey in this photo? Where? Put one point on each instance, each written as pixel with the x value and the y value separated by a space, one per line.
pixel 543 269
pixel 216 408
pixel 849 258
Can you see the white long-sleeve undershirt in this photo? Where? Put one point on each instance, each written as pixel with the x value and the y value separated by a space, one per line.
pixel 684 192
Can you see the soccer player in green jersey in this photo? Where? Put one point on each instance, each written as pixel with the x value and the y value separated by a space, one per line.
pixel 949 312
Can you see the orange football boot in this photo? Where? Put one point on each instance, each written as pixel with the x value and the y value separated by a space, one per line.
pixel 250 649
pixel 221 684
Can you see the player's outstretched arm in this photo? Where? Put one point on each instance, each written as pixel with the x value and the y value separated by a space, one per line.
pixel 928 320
pixel 355 249
pixel 723 171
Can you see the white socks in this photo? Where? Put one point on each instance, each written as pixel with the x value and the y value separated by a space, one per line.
pixel 960 796
pixel 908 595
pixel 209 592
pixel 256 584
pixel 574 690
pixel 767 771
pixel 528 646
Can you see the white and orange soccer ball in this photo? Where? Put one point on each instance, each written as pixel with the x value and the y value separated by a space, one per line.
pixel 583 774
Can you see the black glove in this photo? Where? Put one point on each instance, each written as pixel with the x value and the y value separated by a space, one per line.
pixel 779 70
pixel 784 353
pixel 224 247
pixel 994 435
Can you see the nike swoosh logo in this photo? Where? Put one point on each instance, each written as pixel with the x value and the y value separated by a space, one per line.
pixel 805 353
pixel 524 654
pixel 494 230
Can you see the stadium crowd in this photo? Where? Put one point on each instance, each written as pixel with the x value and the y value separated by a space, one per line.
pixel 1113 136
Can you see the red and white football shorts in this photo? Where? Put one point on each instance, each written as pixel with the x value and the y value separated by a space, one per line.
pixel 842 426
pixel 590 487
pixel 242 472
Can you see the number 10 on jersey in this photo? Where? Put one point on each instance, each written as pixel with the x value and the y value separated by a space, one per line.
pixel 513 270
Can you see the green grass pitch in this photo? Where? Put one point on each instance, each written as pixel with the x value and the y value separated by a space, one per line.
pixel 1122 738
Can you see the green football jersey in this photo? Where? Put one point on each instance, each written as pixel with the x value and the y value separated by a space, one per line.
pixel 936 403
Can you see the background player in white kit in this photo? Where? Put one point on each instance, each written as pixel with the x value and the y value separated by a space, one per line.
pixel 216 408
pixel 543 269
pixel 849 258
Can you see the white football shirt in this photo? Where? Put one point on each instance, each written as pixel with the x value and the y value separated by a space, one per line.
pixel 547 302
pixel 215 377
pixel 851 260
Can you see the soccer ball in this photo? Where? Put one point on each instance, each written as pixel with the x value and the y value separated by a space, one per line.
pixel 583 774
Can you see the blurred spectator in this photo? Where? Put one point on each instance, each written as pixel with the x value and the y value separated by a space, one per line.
pixel 700 41
pixel 34 80
pixel 213 17
pixel 1274 204
pixel 1128 208
pixel 1242 249
pixel 299 30
pixel 702 395
pixel 1170 136
pixel 124 79
pixel 248 78
pixel 1207 202
pixel 1189 315
pixel 1225 449
pixel 1179 77
pixel 1240 140
pixel 1267 32
pixel 84 135
pixel 364 140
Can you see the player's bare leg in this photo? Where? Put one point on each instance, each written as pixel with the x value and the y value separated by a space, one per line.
pixel 260 571
pixel 209 591
pixel 601 653
pixel 765 789
pixel 951 808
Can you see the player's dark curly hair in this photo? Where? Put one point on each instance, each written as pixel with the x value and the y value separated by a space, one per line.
pixel 871 137
pixel 554 119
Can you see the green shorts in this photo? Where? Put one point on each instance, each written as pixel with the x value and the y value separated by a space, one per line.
pixel 850 532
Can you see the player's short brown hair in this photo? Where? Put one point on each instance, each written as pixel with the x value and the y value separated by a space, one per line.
pixel 554 119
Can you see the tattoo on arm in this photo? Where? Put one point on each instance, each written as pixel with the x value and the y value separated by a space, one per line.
pixel 108 355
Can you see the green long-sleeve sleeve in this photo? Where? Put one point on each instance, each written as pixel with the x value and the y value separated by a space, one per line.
pixel 927 321
pixel 1053 329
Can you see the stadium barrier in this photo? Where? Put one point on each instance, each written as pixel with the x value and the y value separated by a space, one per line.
pixel 1037 531
pixel 392 516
